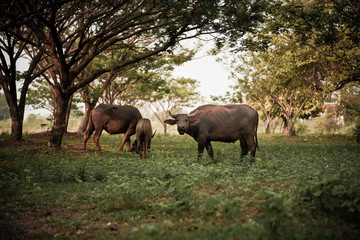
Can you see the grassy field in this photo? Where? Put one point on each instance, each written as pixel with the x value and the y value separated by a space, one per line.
pixel 299 188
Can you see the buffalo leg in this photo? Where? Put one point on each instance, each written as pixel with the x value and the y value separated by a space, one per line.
pixel 97 135
pixel 200 150
pixel 148 146
pixel 86 137
pixel 125 139
pixel 252 146
pixel 244 147
pixel 128 144
pixel 144 149
pixel 209 149
pixel 138 146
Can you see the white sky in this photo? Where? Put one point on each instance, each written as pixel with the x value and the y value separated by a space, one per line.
pixel 212 75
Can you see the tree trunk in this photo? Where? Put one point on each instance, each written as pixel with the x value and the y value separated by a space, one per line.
pixel 275 125
pixel 16 124
pixel 285 128
pixel 288 126
pixel 267 124
pixel 59 126
pixel 165 127
pixel 68 113
pixel 16 110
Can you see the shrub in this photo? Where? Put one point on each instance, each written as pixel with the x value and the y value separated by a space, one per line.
pixel 334 195
pixel 301 128
pixel 357 132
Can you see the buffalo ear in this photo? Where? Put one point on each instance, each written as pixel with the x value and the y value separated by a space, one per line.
pixel 194 121
pixel 170 121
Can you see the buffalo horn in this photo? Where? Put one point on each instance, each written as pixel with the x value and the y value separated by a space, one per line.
pixel 173 116
pixel 191 115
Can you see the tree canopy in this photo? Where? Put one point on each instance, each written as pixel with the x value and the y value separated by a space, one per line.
pixel 330 27
pixel 69 35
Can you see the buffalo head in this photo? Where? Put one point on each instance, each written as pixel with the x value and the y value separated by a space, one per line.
pixel 183 121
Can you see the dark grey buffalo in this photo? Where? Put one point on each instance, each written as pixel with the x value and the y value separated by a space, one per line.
pixel 114 120
pixel 226 123
pixel 143 137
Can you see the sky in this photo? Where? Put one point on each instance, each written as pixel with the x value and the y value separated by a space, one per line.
pixel 211 75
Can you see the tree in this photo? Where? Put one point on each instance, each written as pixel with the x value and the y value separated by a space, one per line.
pixel 170 96
pixel 286 75
pixel 330 27
pixel 13 45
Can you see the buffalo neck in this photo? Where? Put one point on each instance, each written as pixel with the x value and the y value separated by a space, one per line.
pixel 193 131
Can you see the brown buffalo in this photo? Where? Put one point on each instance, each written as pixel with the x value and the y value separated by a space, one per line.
pixel 114 120
pixel 143 137
pixel 227 123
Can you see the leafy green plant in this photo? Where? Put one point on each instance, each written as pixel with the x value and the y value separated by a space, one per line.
pixel 334 195
pixel 276 220
pixel 357 132
pixel 220 205
pixel 80 194
pixel 301 128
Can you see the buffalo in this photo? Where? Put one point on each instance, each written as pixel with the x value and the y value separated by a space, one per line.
pixel 114 120
pixel 224 123
pixel 143 137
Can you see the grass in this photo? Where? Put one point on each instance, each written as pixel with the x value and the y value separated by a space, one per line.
pixel 300 188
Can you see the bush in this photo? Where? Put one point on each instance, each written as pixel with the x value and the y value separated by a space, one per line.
pixel 334 195
pixel 357 132
pixel 329 123
pixel 301 128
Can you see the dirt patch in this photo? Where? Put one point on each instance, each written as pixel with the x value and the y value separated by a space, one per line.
pixel 28 143
pixel 37 142
pixel 210 190
pixel 66 135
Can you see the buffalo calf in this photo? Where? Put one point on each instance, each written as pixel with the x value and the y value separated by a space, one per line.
pixel 143 137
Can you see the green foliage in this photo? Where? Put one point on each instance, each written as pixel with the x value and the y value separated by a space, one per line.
pixel 4 109
pixel 88 194
pixel 334 196
pixel 301 128
pixel 220 205
pixel 357 132
pixel 276 221
pixel 329 123
pixel 331 27
pixel 350 102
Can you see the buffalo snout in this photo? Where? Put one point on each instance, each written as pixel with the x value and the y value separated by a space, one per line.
pixel 181 130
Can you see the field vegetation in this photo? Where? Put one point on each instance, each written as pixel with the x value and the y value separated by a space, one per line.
pixel 303 187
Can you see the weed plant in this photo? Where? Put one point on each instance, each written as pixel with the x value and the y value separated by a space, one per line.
pixel 299 188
